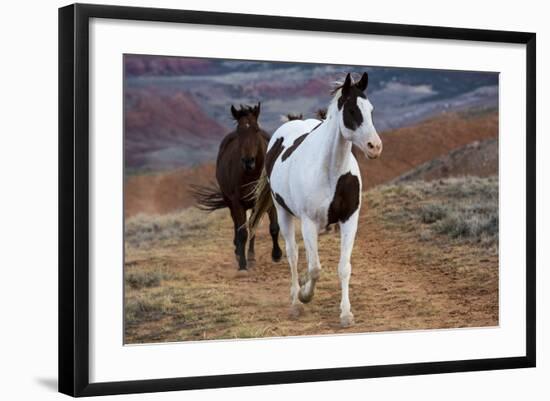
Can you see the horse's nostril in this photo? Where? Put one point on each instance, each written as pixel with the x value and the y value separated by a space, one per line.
pixel 248 162
pixel 370 145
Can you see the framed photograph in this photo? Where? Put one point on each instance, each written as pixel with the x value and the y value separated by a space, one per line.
pixel 251 199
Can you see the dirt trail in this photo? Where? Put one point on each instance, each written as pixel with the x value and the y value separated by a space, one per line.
pixel 398 283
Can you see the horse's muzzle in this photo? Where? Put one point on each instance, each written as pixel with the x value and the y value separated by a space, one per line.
pixel 249 164
pixel 374 150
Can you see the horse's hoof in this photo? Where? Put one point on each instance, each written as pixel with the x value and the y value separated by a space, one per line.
pixel 250 263
pixel 241 273
pixel 305 297
pixel 276 255
pixel 295 311
pixel 241 264
pixel 347 320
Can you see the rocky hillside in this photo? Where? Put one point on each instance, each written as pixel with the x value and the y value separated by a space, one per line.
pixel 162 129
pixel 177 108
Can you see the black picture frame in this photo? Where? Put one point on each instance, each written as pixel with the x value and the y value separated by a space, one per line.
pixel 74 198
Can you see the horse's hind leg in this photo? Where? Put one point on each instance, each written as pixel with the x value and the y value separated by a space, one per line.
pixel 286 224
pixel 276 253
pixel 310 233
pixel 241 233
pixel 251 256
pixel 347 238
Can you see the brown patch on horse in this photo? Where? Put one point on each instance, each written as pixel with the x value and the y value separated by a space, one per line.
pixel 283 204
pixel 297 143
pixel 346 199
pixel 294 146
pixel 273 154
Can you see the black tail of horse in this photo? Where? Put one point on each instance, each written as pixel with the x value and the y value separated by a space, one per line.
pixel 208 198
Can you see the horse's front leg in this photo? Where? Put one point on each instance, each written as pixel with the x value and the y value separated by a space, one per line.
pixel 310 234
pixel 276 253
pixel 241 233
pixel 348 229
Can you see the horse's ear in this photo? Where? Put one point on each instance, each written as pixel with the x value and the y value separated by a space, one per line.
pixel 234 112
pixel 346 86
pixel 363 82
pixel 256 110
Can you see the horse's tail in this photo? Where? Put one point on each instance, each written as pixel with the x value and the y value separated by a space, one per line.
pixel 208 198
pixel 262 202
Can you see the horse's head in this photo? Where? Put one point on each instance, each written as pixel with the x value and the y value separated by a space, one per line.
pixel 355 117
pixel 248 134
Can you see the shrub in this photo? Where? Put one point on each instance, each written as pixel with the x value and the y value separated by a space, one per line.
pixel 145 308
pixel 454 226
pixel 432 212
pixel 143 279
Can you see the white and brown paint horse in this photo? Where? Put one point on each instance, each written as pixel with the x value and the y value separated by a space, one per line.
pixel 311 174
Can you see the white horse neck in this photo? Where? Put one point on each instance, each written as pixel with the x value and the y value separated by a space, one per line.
pixel 332 150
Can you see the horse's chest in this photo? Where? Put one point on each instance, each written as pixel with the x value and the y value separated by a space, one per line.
pixel 346 199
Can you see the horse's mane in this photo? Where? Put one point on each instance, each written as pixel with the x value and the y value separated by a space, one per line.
pixel 338 84
pixel 244 111
pixel 322 114
pixel 333 105
pixel 292 117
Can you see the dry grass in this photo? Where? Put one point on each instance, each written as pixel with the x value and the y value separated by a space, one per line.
pixel 143 231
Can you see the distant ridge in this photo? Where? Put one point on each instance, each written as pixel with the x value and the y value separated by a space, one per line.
pixel 161 129
pixel 405 149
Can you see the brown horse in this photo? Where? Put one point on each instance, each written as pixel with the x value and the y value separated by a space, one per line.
pixel 238 166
